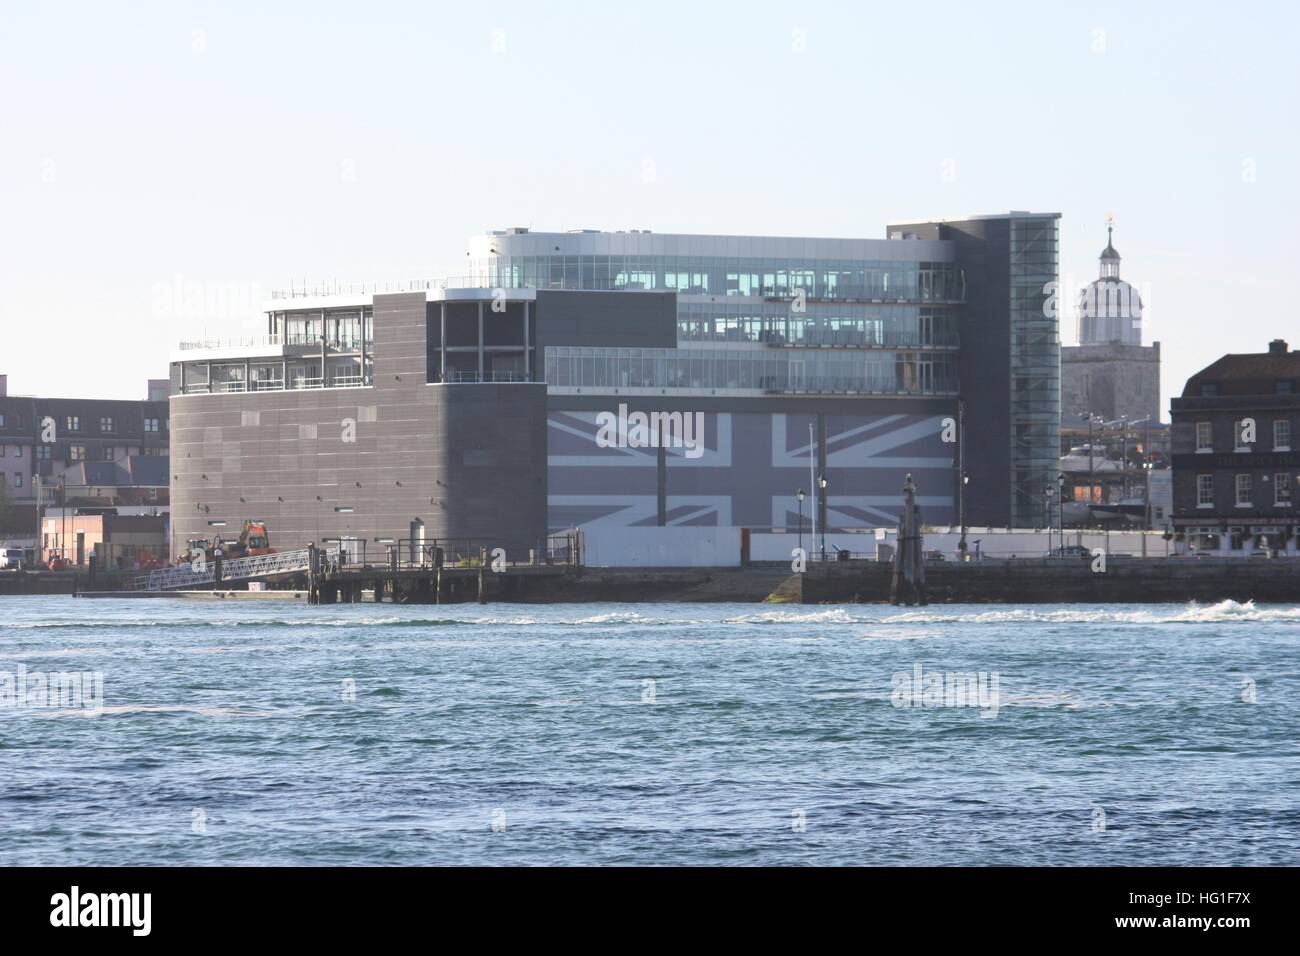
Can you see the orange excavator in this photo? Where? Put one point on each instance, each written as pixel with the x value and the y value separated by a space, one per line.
pixel 253 540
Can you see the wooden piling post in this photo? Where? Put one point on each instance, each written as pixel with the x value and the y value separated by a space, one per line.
pixel 312 596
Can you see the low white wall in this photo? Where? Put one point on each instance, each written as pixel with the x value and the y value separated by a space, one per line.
pixel 779 547
pixel 698 547
pixel 671 547
pixel 993 543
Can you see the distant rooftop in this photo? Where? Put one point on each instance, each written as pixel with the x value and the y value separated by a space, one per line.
pixel 1013 214
pixel 1248 373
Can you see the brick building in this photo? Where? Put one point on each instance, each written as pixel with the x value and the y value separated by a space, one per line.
pixel 1236 475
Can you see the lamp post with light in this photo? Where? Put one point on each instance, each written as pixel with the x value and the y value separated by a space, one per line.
pixel 1048 491
pixel 821 484
pixel 1146 466
pixel 799 497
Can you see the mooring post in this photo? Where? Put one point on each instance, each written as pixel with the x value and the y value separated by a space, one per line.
pixel 437 585
pixel 311 574
pixel 908 582
pixel 482 568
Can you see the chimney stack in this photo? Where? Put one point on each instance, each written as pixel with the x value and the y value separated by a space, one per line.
pixel 4 385
pixel 1277 347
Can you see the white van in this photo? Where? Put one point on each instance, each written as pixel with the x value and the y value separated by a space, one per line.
pixel 11 559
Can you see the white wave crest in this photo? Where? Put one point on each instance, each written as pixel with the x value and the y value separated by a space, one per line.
pixel 1224 612
pixel 831 616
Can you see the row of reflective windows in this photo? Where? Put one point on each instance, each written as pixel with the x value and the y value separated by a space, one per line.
pixel 1243 488
pixel 903 372
pixel 921 281
pixel 72 423
pixel 1242 435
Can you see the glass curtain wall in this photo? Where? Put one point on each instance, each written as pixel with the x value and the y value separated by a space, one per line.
pixel 1035 369
pixel 820 279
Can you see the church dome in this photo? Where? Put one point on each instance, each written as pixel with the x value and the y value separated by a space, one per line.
pixel 1109 309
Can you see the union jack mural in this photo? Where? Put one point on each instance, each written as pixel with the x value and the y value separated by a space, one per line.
pixel 752 465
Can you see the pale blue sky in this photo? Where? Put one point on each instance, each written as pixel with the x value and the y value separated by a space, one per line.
pixel 151 145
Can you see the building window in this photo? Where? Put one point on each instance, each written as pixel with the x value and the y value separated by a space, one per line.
pixel 18 451
pixel 106 424
pixel 2 421
pixel 1282 491
pixel 151 424
pixel 1239 437
pixel 1205 491
pixel 1281 434
pixel 1243 491
pixel 1209 389
pixel 44 452
pixel 72 423
pixel 1204 436
pixel 1284 388
pixel 18 479
pixel 76 453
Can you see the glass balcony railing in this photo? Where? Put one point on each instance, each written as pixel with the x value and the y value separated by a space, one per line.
pixel 457 377
pixel 273 385
pixel 337 343
pixel 901 287
pixel 777 372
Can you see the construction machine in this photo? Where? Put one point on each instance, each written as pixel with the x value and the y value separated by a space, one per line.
pixel 253 540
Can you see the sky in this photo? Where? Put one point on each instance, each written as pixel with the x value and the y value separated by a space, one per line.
pixel 164 166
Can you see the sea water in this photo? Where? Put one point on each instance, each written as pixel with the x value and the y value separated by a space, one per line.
pixel 269 733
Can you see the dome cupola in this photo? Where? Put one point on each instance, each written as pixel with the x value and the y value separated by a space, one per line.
pixel 1109 309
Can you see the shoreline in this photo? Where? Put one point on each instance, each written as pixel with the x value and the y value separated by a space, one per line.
pixel 992 581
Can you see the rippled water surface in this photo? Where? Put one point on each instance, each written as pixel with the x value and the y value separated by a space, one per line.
pixel 649 734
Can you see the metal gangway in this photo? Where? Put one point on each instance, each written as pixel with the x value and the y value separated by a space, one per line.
pixel 238 569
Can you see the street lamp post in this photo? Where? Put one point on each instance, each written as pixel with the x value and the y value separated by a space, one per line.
pixel 1060 480
pixel 821 484
pixel 1146 466
pixel 799 496
pixel 961 476
pixel 1123 457
pixel 1092 419
pixel 1048 491
pixel 961 545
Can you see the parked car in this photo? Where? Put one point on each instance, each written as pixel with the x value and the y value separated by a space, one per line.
pixel 1070 551
pixel 12 559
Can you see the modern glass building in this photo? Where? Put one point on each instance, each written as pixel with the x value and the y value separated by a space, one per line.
pixel 844 356
pixel 1009 363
